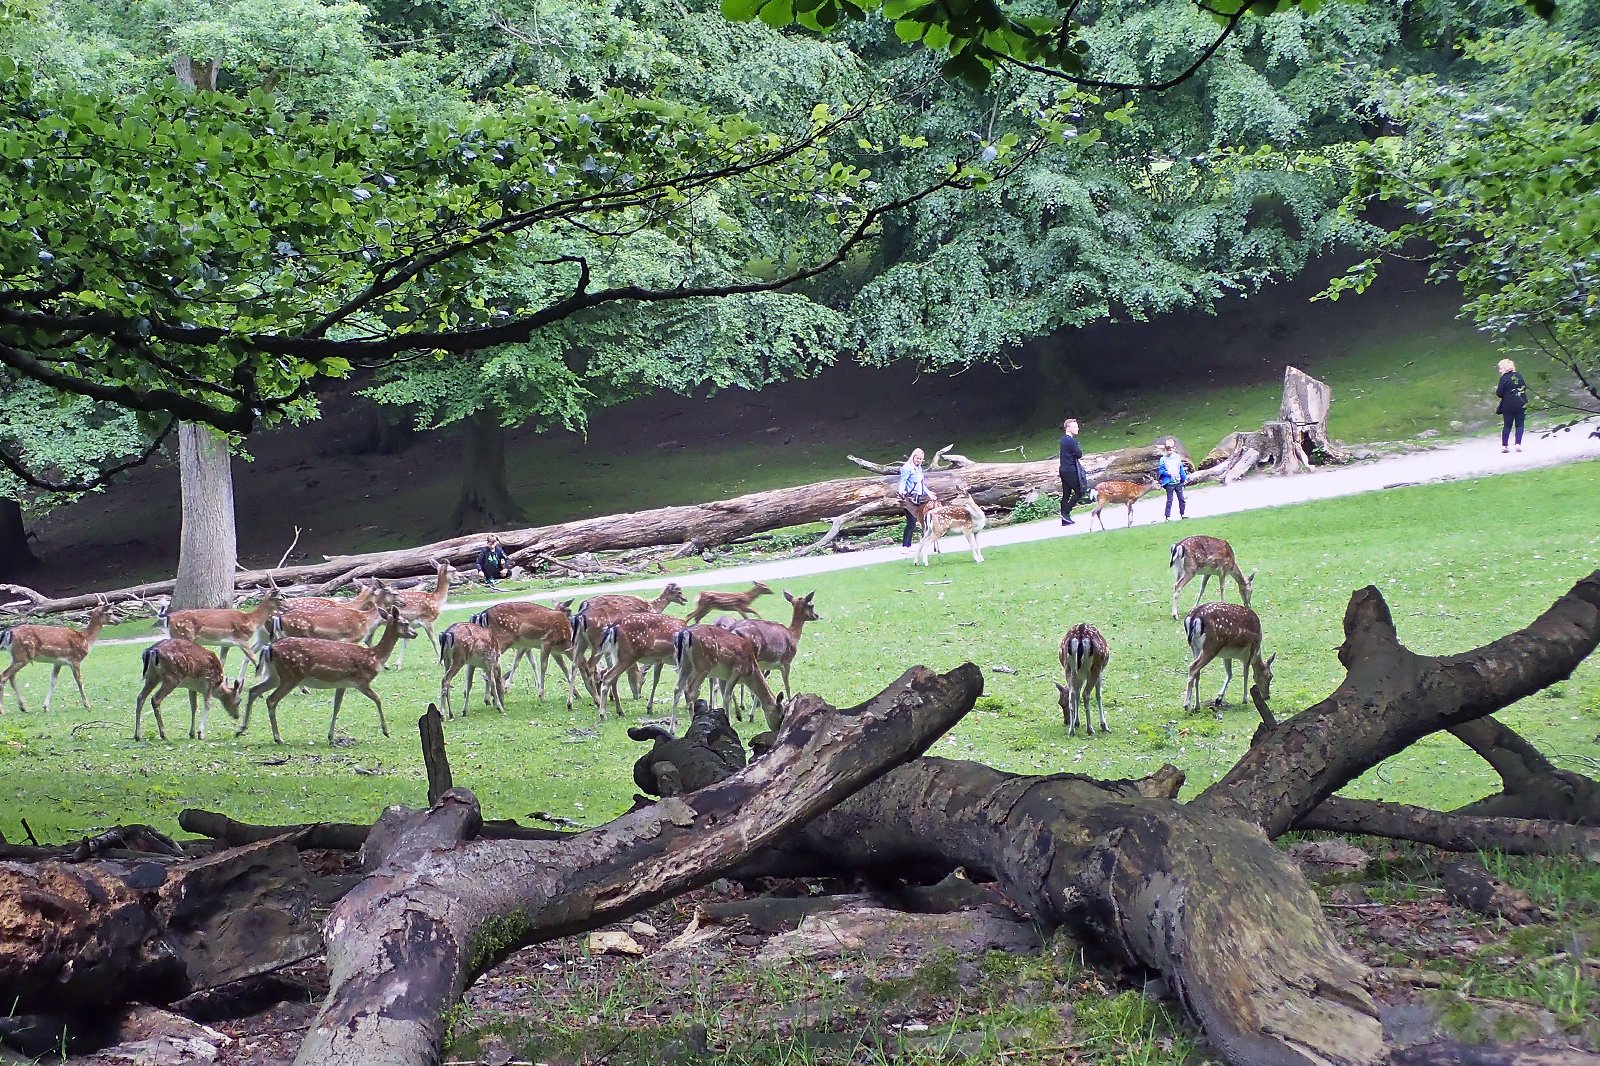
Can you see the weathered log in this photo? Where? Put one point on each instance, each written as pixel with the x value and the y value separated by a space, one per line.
pixel 1202 898
pixel 1450 1053
pixel 1452 831
pixel 331 836
pixel 95 934
pixel 1391 697
pixel 438 909
pixel 1532 786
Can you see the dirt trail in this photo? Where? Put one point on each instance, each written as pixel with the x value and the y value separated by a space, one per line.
pixel 1478 457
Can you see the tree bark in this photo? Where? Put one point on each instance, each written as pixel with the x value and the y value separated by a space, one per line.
pixel 440 908
pixel 485 500
pixel 1533 787
pixel 1453 831
pixel 208 547
pixel 1390 698
pixel 92 934
pixel 15 555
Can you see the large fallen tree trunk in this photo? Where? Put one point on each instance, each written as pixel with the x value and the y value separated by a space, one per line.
pixel 440 908
pixel 697 526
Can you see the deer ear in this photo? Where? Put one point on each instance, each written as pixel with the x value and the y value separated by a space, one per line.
pixel 1061 688
pixel 787 596
pixel 1271 659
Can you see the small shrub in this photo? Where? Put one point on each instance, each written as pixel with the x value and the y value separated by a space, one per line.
pixel 1037 508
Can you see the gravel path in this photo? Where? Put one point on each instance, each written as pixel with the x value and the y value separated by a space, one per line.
pixel 1477 457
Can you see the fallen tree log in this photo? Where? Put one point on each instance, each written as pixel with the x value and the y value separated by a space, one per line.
pixel 695 527
pixel 95 934
pixel 440 908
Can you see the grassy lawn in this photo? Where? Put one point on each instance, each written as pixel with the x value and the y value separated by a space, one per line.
pixel 1456 575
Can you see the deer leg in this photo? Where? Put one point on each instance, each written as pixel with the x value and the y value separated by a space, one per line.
pixel 635 683
pixel 655 679
pixel 1183 579
pixel 1099 705
pixel 205 712
pixel 1227 666
pixel 444 689
pixel 55 672
pixel 77 675
pixel 338 698
pixel 1200 660
pixel 194 715
pixel 138 707
pixel 972 542
pixel 277 697
pixel 401 665
pixel 155 709
pixel 1130 516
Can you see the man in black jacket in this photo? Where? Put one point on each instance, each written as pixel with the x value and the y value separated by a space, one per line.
pixel 1073 478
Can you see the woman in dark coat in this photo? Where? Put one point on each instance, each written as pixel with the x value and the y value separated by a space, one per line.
pixel 1513 409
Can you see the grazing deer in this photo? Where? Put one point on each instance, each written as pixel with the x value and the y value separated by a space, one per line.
pixel 707 602
pixel 638 640
pixel 225 628
pixel 597 612
pixel 330 623
pixel 960 513
pixel 1227 631
pixel 775 644
pixel 57 645
pixel 178 663
pixel 710 652
pixel 1084 654
pixel 422 606
pixel 1208 557
pixel 524 628
pixel 475 647
pixel 1117 491
pixel 316 663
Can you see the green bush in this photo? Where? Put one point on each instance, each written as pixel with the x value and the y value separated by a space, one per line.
pixel 1033 510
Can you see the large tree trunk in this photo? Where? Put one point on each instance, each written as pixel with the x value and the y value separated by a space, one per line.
pixel 996 486
pixel 439 909
pixel 15 557
pixel 208 547
pixel 485 500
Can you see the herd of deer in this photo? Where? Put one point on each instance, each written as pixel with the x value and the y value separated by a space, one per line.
pixel 313 642
pixel 308 642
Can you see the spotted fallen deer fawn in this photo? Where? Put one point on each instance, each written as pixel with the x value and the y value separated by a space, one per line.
pixel 1084 654
pixel 1228 632
pixel 1115 491
pixel 1207 557
pixel 960 513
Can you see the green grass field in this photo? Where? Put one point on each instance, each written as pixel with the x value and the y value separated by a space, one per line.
pixel 1461 563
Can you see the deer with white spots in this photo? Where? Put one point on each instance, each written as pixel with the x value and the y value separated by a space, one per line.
pixel 1208 557
pixel 1228 632
pixel 176 663
pixel 57 645
pixel 1084 654
pixel 312 662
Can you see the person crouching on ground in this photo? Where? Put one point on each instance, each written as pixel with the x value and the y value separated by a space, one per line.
pixel 1173 477
pixel 492 562
pixel 1513 393
pixel 914 495
pixel 1074 482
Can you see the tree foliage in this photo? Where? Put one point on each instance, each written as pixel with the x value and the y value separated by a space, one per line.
pixel 1501 175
